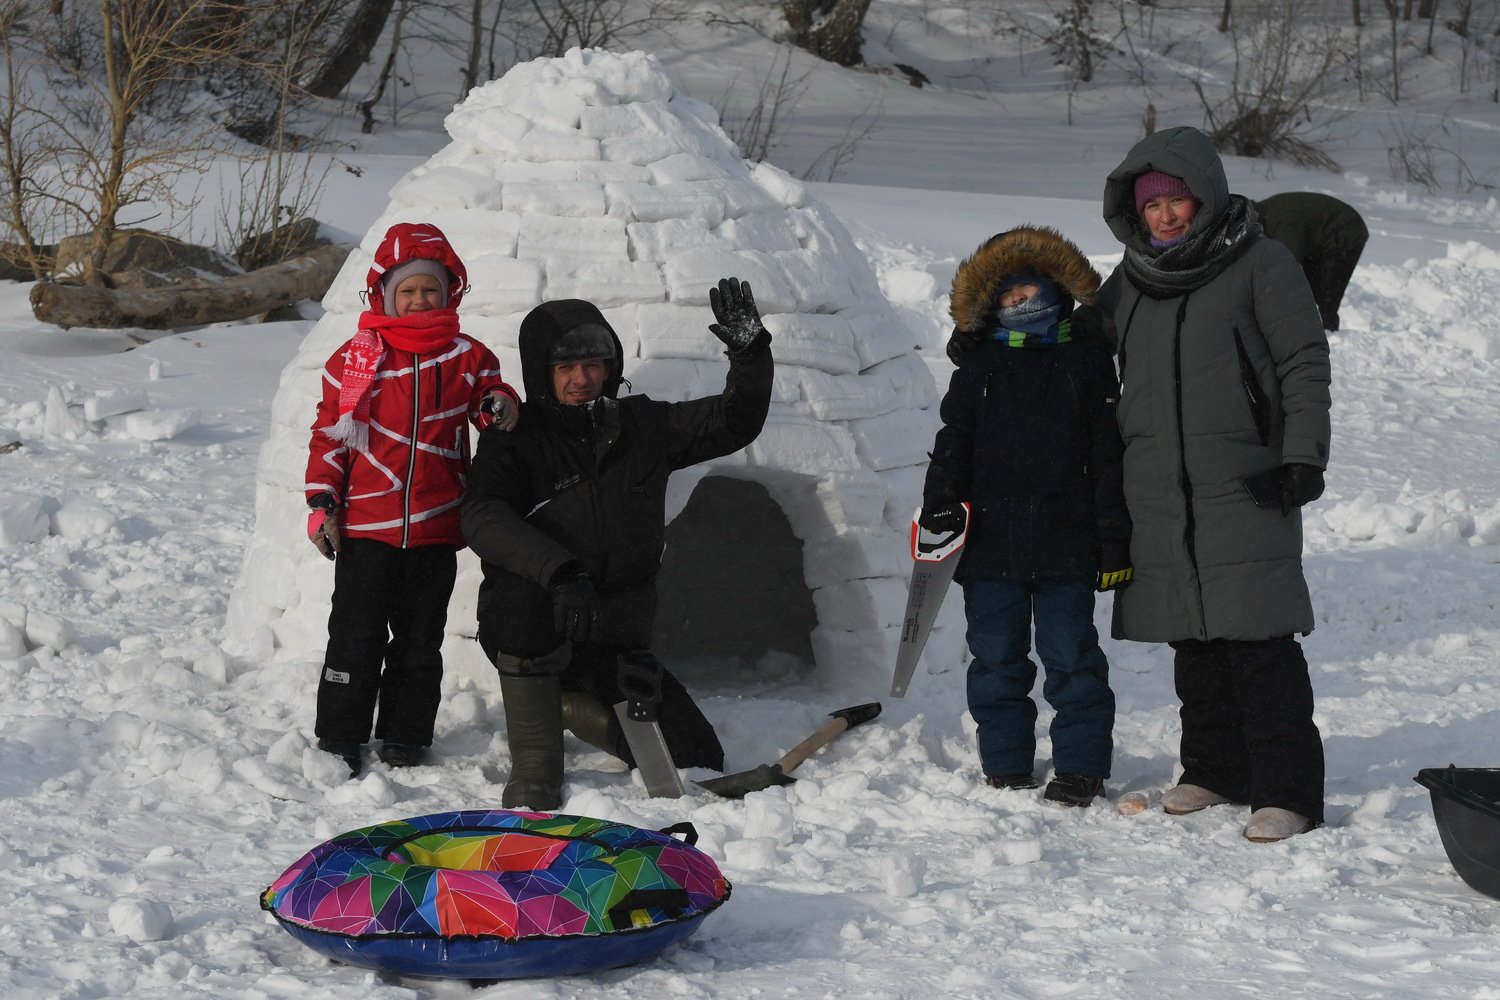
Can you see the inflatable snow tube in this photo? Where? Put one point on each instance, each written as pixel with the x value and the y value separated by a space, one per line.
pixel 497 894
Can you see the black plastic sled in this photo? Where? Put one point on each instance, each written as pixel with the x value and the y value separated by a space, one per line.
pixel 1466 804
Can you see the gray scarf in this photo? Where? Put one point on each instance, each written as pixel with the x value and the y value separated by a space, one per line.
pixel 1198 259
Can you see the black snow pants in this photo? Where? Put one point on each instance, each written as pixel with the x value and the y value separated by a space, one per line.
pixel 1247 723
pixel 390 606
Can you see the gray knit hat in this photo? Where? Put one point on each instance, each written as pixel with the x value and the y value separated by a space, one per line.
pixel 417 265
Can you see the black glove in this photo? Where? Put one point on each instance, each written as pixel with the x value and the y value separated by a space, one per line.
pixel 575 605
pixel 739 325
pixel 1300 484
pixel 943 519
pixel 960 345
pixel 1115 570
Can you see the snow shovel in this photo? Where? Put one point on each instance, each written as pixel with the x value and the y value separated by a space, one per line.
pixel 935 557
pixel 736 786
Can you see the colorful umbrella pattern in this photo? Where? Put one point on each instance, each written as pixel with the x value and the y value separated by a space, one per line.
pixel 496 876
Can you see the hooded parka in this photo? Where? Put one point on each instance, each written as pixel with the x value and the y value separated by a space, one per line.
pixel 588 484
pixel 1028 436
pixel 1221 380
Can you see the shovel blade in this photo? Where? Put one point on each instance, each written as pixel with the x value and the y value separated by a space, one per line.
pixel 652 758
pixel 737 786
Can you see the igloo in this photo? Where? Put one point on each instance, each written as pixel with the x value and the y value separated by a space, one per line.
pixel 586 176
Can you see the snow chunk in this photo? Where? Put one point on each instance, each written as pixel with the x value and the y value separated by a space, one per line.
pixel 114 402
pixel 23 519
pixel 156 425
pixel 82 520
pixel 141 919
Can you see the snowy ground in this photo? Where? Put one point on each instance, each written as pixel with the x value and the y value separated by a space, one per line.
pixel 153 785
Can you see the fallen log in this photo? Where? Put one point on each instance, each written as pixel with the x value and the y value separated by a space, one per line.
pixel 191 303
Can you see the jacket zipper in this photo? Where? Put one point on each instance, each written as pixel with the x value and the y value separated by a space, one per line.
pixel 411 453
pixel 1191 525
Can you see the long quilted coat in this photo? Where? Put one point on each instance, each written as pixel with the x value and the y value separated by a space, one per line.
pixel 1209 563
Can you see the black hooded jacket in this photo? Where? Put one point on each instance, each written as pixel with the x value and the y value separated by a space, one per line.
pixel 589 484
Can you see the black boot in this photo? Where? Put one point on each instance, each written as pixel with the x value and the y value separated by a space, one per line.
pixel 594 722
pixel 533 730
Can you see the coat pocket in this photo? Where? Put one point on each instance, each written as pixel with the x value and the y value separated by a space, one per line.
pixel 1255 395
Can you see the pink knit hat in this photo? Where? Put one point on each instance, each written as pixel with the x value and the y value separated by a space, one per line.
pixel 1155 184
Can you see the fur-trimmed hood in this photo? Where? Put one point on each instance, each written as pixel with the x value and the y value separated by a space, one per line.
pixel 973 305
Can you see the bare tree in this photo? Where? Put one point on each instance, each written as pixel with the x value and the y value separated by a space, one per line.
pixel 829 29
pixel 351 49
pixel 1279 71
pixel 112 138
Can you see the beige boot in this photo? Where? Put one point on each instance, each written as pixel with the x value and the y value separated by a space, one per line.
pixel 1179 800
pixel 1270 824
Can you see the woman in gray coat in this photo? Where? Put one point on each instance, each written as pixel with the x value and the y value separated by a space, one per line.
pixel 1224 413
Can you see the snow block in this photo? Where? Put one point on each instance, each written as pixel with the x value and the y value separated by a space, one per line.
pixel 81 520
pixel 797 444
pixel 499 286
pixel 859 553
pixel 44 630
pixel 568 199
pixel 604 283
pixel 767 230
pixel 588 239
pixel 812 340
pixel 895 439
pixel 156 425
pixel 654 203
pixel 667 330
pixel 460 186
pixel 114 402
pixel 691 274
pixel 861 604
pixel 843 397
pixel 23 519
pixel 879 337
pixel 659 240
pixel 12 641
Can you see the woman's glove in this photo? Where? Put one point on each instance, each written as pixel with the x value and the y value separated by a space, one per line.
pixel 323 531
pixel 1301 484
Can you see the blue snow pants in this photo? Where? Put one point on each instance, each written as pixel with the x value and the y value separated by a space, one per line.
pixel 1001 675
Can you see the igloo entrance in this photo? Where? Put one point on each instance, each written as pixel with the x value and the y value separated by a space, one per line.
pixel 731 585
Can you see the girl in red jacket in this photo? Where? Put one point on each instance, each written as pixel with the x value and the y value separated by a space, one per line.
pixel 385 477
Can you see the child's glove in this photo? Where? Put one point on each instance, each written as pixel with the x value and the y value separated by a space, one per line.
pixel 499 405
pixel 739 325
pixel 323 530
pixel 961 344
pixel 1115 570
pixel 942 519
pixel 1300 484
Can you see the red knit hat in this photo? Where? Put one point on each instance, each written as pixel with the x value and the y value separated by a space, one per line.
pixel 1155 184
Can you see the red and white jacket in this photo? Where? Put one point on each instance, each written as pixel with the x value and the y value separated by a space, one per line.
pixel 407 487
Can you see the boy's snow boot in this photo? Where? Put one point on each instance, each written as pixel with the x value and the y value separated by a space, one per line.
pixel 1016 781
pixel 1270 824
pixel 401 754
pixel 533 730
pixel 1179 800
pixel 1073 789
pixel 594 722
pixel 349 751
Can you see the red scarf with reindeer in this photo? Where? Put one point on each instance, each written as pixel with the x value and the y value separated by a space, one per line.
pixel 417 333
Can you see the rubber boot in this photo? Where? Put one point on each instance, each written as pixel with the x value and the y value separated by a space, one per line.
pixel 533 730
pixel 594 722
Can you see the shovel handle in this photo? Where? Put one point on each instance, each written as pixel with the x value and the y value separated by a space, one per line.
pixel 817 741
